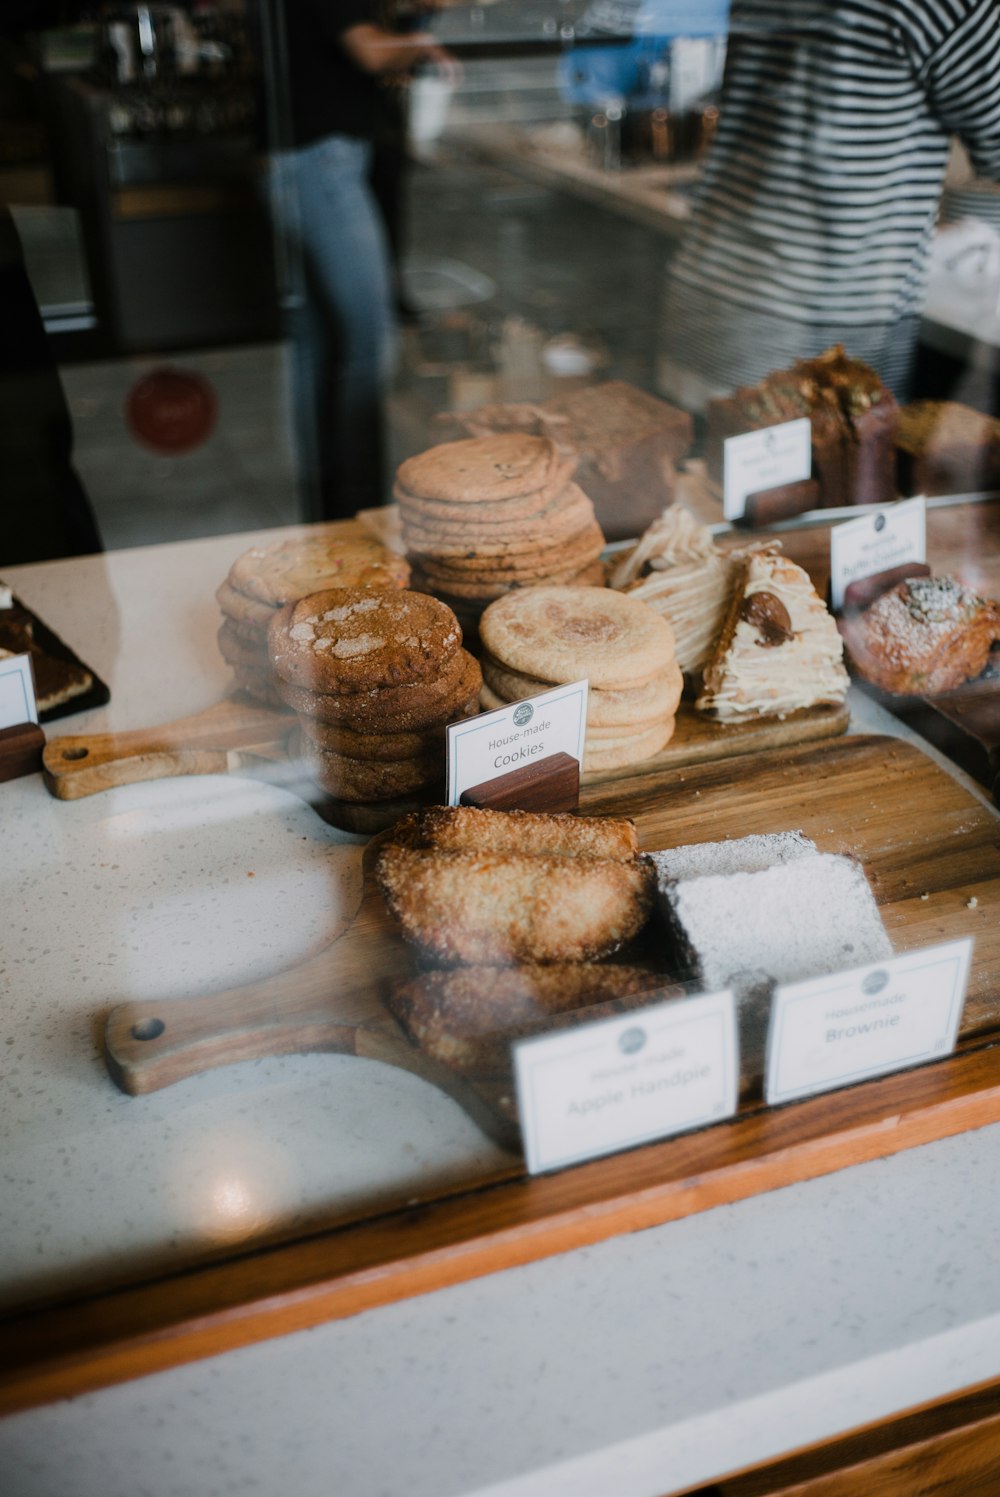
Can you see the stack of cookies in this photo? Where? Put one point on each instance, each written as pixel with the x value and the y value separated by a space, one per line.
pixel 538 639
pixel 265 578
pixel 489 514
pixel 375 675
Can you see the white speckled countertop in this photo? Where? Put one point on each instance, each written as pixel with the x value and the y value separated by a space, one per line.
pixel 640 1366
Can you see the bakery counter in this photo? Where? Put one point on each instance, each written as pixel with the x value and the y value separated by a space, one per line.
pixel 656 195
pixel 651 1362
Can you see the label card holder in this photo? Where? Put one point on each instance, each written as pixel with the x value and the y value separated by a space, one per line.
pixel 494 744
pixel 17 692
pixel 619 1082
pixel 892 537
pixel 833 1031
pixel 765 459
pixel 21 738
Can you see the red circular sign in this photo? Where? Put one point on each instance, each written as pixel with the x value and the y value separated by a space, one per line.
pixel 171 410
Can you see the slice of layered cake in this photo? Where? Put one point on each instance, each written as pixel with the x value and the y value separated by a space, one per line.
pixel 779 649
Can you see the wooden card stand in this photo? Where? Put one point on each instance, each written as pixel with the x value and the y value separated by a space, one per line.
pixel 551 785
pixel 21 750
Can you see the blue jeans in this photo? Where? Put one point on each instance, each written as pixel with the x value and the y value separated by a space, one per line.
pixel 342 321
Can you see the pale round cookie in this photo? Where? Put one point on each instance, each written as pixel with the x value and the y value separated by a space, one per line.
pixel 366 779
pixel 631 707
pixel 236 650
pixel 575 551
pixel 628 751
pixel 243 610
pixel 293 568
pixel 515 510
pixel 393 709
pixel 480 468
pixel 568 633
pixel 608 738
pixel 468 602
pixel 469 542
pixel 384 746
pixel 345 640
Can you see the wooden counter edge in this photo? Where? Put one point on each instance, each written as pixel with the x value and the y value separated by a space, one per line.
pixel 67 1349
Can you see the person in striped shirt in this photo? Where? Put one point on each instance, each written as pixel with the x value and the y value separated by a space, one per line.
pixel 814 217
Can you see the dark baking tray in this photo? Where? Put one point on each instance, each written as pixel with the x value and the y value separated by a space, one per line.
pixel 49 642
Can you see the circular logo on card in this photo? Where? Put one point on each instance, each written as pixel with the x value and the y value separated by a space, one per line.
pixel 171 410
pixel 523 714
pixel 874 982
pixel 632 1040
pixel 879 522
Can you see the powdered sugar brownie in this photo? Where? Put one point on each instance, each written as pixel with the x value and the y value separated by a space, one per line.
pixel 345 640
pixel 480 468
pixel 293 568
pixel 568 633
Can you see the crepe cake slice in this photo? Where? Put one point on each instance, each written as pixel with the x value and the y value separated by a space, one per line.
pixel 779 650
pixel 677 569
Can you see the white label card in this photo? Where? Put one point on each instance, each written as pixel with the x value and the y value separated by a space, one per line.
pixel 833 1031
pixel 624 1081
pixel 762 460
pixel 17 692
pixel 495 743
pixel 891 537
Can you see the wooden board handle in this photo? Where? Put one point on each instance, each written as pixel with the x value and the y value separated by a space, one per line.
pixel 152 1045
pixel 202 744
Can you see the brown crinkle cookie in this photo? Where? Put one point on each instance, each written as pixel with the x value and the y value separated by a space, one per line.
pixel 392 709
pixel 384 746
pixel 346 640
pixel 366 779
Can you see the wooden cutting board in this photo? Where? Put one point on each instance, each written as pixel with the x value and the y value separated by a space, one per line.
pixel 240 737
pixel 931 851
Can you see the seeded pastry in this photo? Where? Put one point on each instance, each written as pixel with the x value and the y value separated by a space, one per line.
pixel 924 636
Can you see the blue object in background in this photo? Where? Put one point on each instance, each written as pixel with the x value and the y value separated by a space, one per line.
pixel 638 69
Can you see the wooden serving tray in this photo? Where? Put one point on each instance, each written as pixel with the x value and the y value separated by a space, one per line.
pixel 877 798
pixel 931 850
pixel 241 737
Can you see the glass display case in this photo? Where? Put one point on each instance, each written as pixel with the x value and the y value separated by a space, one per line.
pixel 547 343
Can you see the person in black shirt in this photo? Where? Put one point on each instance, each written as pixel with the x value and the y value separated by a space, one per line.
pixel 338 56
